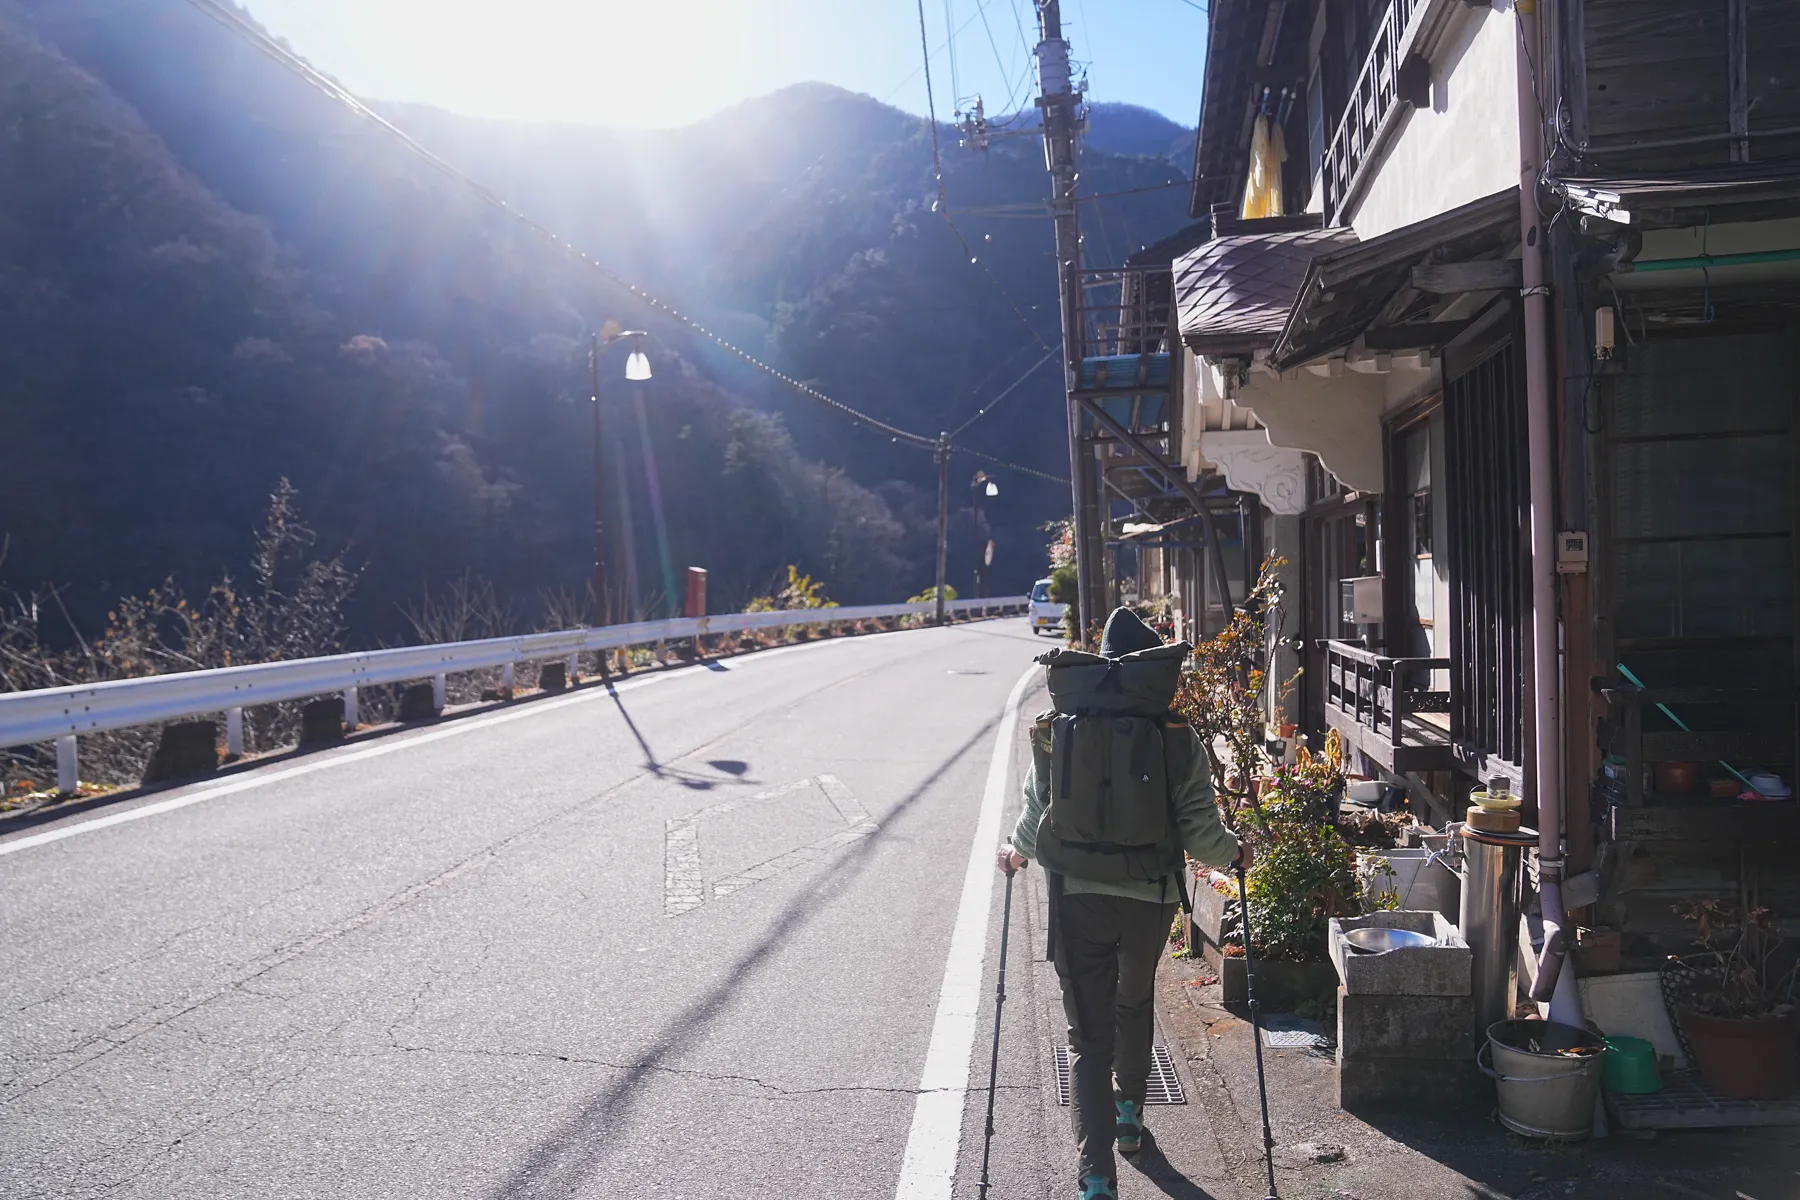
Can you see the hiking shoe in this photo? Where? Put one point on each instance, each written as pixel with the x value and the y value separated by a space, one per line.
pixel 1095 1187
pixel 1130 1125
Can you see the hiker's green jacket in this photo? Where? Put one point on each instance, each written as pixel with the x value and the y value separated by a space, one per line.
pixel 1203 834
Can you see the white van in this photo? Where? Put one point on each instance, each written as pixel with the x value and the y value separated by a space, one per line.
pixel 1045 615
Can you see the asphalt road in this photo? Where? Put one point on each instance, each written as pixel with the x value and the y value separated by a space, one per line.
pixel 688 939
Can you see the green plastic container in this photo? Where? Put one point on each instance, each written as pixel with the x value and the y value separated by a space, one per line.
pixel 1630 1067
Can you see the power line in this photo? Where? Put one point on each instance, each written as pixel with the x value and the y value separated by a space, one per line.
pixel 1011 466
pixel 943 204
pixel 1154 187
pixel 937 162
pixel 910 75
pixel 1012 90
pixel 977 260
pixel 1019 21
pixel 238 24
pixel 241 26
pixel 955 83
pixel 992 404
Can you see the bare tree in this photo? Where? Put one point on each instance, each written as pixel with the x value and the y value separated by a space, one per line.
pixel 293 608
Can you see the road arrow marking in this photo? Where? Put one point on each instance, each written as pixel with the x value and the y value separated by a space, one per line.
pixel 684 882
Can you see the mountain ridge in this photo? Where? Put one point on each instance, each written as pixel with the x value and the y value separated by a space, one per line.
pixel 335 311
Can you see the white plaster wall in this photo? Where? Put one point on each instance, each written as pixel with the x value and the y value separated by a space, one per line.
pixel 1466 145
pixel 1193 419
pixel 1440 546
pixel 1339 419
pixel 1286 543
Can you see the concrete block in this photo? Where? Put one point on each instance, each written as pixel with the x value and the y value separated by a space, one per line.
pixel 1405 1026
pixel 553 677
pixel 1280 986
pixel 419 703
pixel 1409 1083
pixel 322 722
pixel 1441 970
pixel 1205 929
pixel 185 749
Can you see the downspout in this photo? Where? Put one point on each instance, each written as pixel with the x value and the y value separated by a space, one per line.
pixel 1552 984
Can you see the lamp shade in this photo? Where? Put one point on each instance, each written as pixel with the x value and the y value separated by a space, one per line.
pixel 993 489
pixel 637 367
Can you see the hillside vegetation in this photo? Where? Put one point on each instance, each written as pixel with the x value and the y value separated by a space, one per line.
pixel 213 277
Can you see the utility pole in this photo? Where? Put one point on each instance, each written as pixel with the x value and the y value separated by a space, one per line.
pixel 600 606
pixel 943 466
pixel 1060 106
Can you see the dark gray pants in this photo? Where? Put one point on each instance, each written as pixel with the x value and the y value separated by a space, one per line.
pixel 1107 948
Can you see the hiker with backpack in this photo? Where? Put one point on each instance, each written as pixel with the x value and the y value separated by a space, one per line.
pixel 1120 788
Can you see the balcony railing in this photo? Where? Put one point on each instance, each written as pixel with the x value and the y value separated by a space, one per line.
pixel 1386 707
pixel 1386 81
pixel 1126 310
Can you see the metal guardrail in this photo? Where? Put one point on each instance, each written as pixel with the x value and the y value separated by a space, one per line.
pixel 63 714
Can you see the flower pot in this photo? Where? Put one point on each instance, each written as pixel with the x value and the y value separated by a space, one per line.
pixel 1746 1058
pixel 1598 950
pixel 1677 778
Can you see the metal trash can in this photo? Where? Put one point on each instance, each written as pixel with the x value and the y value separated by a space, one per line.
pixel 1489 917
pixel 1547 1076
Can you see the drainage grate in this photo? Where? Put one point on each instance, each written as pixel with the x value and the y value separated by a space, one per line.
pixel 1164 1086
pixel 1685 1102
pixel 1284 1031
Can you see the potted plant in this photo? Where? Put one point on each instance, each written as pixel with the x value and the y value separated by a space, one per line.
pixel 1223 691
pixel 1305 872
pixel 1739 1011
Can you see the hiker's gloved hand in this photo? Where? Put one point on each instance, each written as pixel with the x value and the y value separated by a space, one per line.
pixel 1011 860
pixel 1246 857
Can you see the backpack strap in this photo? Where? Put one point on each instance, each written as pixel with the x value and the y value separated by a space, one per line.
pixel 1171 724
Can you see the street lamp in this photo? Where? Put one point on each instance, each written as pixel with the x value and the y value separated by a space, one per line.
pixel 637 369
pixel 983 486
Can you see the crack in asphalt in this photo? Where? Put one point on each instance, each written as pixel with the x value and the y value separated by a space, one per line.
pixel 651 1066
pixel 156 1017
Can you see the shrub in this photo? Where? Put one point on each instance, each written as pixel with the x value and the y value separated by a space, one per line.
pixel 293 607
pixel 1305 874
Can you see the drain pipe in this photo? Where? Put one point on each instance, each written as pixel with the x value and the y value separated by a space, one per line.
pixel 1553 983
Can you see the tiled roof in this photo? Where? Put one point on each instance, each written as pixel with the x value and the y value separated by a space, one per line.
pixel 1235 292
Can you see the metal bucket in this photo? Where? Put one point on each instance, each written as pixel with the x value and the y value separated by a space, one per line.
pixel 1543 1092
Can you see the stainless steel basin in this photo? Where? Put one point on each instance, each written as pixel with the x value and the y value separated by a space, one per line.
pixel 1380 941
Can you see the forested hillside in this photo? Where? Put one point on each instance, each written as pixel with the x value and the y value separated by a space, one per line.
pixel 212 276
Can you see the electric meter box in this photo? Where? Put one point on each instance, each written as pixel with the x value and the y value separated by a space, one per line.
pixel 1361 600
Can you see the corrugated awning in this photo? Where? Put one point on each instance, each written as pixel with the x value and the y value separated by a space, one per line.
pixel 1690 198
pixel 1233 293
pixel 1346 291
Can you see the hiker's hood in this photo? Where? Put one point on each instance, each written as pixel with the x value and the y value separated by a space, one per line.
pixel 1126 633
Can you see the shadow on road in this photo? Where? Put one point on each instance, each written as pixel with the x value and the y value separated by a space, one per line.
pixel 687 779
pixel 565 1159
pixel 1151 1164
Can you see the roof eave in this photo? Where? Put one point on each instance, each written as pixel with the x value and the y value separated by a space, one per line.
pixel 1298 342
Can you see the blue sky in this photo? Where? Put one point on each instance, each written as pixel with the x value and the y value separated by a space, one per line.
pixel 671 62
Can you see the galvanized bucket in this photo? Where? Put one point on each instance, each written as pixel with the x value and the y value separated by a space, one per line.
pixel 1544 1090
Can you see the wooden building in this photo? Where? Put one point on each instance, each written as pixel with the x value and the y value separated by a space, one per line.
pixel 1368 327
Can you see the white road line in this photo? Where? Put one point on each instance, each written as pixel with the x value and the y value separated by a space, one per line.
pixel 456 729
pixel 929 1167
pixel 684 884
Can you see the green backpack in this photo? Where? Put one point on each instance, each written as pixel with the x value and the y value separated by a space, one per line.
pixel 1113 756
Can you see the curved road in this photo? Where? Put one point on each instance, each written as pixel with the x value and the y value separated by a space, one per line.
pixel 687 938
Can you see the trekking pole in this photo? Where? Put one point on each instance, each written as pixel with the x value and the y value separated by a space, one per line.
pixel 994 1062
pixel 1262 1088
